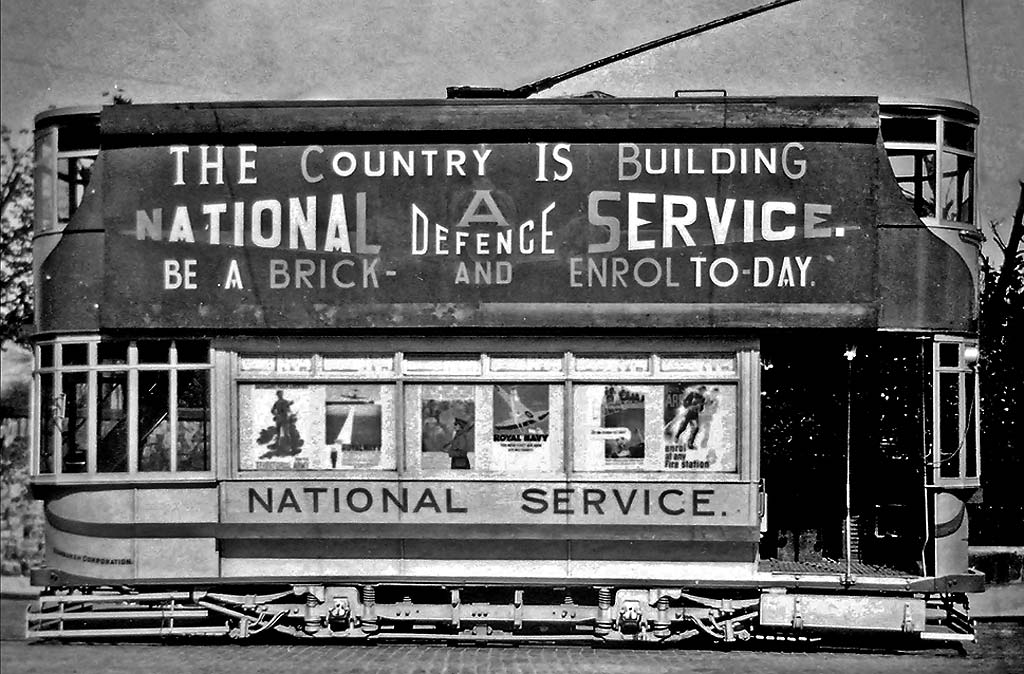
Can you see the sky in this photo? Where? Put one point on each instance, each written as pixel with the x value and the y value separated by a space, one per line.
pixel 60 53
pixel 63 53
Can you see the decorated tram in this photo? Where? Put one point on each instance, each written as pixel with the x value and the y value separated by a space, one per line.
pixel 504 370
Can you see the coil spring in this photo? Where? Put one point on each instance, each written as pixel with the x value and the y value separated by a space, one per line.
pixel 369 594
pixel 603 624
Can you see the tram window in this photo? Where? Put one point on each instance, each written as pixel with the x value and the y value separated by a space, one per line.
pixel 47 420
pixel 316 426
pixel 500 427
pixel 154 352
pixel 685 426
pixel 915 175
pixel 908 130
pixel 193 420
pixel 949 425
pixel 46 355
pixel 113 353
pixel 955 413
pixel 123 407
pixel 112 422
pixel 442 430
pixel 193 351
pixel 971 445
pixel 153 425
pixel 75 354
pixel 955 188
pixel 949 354
pixel 75 428
pixel 959 136
pixel 73 174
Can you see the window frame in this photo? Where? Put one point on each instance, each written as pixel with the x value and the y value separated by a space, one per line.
pixel 740 374
pixel 57 370
pixel 968 415
pixel 937 148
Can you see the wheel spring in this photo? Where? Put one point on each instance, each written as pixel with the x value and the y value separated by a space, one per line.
pixel 603 625
pixel 369 597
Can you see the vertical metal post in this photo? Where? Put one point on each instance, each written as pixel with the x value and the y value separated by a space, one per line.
pixel 851 353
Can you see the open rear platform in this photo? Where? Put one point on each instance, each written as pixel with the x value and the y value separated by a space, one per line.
pixel 829 566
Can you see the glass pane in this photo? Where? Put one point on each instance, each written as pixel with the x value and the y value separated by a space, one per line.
pixel 446 366
pixel 612 426
pixel 73 174
pixel 441 422
pixel 522 364
pixel 113 353
pixel 524 428
pixel 696 365
pixel 193 420
pixel 949 424
pixel 154 352
pixel 112 422
pixel 75 354
pixel 46 355
pixel 908 130
pixel 955 187
pixel 279 424
pixel 366 365
pixel 193 351
pixel 959 136
pixel 46 147
pixel 599 364
pixel 75 425
pixel 154 426
pixel 47 418
pixel 353 425
pixel 915 175
pixel 64 194
pixel 949 355
pixel 700 427
pixel 970 441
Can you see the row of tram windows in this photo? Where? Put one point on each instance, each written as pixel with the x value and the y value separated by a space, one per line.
pixel 140 407
pixel 123 406
pixel 491 414
pixel 145 407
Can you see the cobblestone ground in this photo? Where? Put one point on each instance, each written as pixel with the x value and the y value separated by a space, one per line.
pixel 1001 649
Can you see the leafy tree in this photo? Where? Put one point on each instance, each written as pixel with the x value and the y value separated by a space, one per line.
pixel 15 237
pixel 1000 519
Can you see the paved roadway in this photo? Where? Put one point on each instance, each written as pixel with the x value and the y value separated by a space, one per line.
pixel 1001 649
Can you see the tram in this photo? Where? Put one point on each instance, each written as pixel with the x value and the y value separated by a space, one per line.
pixel 507 369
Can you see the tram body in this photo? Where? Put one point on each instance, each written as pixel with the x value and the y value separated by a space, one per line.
pixel 495 370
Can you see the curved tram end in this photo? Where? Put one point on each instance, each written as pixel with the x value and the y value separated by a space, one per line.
pixel 774 618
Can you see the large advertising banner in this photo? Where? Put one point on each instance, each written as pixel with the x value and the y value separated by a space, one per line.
pixel 557 233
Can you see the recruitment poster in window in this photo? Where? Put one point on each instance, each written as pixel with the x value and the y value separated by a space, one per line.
pixel 281 427
pixel 612 422
pixel 353 425
pixel 521 427
pixel 700 427
pixel 447 427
